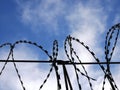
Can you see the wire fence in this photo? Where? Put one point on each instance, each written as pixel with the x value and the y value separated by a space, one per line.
pixel 73 60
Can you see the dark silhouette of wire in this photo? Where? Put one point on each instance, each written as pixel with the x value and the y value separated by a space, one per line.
pixel 55 54
pixel 3 45
pixel 110 44
pixel 108 54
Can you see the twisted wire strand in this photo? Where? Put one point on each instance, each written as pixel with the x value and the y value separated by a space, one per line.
pixel 35 44
pixel 3 45
pixel 55 54
pixel 92 53
pixel 11 53
pixel 45 80
pixel 68 39
pixel 108 54
pixel 86 74
pixel 18 74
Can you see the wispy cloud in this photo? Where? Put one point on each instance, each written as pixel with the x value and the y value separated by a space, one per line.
pixel 87 22
pixel 39 13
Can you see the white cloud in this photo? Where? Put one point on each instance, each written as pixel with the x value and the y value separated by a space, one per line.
pixel 87 22
pixel 44 12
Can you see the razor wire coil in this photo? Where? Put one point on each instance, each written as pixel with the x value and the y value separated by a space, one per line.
pixel 71 55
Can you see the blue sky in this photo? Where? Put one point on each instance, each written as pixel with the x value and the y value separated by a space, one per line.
pixel 43 21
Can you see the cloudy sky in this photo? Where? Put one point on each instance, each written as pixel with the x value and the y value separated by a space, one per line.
pixel 43 21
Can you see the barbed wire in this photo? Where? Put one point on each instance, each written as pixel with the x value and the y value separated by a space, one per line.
pixel 72 55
